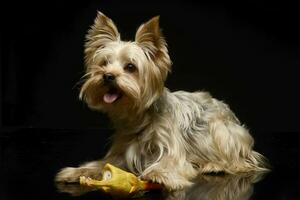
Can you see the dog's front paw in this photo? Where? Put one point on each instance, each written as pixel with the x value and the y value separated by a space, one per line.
pixel 170 181
pixel 68 175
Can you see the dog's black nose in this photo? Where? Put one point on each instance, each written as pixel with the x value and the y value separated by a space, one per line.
pixel 109 77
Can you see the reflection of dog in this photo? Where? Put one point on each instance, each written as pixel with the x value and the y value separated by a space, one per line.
pixel 228 187
pixel 162 136
pixel 206 187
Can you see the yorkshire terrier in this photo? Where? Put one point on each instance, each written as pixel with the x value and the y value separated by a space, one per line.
pixel 161 136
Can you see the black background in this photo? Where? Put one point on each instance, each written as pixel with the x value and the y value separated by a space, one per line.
pixel 246 54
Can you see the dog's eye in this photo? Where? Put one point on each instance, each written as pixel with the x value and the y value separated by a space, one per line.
pixel 130 67
pixel 103 63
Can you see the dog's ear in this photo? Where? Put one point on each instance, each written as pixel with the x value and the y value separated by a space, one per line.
pixel 149 37
pixel 101 32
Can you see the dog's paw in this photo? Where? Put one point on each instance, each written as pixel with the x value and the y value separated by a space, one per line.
pixel 87 181
pixel 170 181
pixel 68 175
pixel 72 174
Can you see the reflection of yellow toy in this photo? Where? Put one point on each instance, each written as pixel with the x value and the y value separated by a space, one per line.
pixel 119 183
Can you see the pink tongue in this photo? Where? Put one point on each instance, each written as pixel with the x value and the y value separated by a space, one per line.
pixel 110 98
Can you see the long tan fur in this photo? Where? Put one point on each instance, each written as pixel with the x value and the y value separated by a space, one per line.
pixel 167 137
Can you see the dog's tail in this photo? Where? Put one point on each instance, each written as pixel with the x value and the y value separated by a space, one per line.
pixel 258 162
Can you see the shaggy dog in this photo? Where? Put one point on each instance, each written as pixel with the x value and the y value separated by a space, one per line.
pixel 162 136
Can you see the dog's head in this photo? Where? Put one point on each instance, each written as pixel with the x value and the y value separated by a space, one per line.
pixel 124 75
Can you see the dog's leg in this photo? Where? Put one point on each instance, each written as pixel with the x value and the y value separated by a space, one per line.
pixel 234 146
pixel 72 174
pixel 91 169
pixel 170 173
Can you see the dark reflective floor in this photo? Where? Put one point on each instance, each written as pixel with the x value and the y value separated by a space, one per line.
pixel 29 159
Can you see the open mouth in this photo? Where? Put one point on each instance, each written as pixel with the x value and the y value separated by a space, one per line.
pixel 112 95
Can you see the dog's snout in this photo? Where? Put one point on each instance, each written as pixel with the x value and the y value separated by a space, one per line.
pixel 109 77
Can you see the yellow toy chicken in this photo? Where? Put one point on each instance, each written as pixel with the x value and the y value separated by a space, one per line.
pixel 118 182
